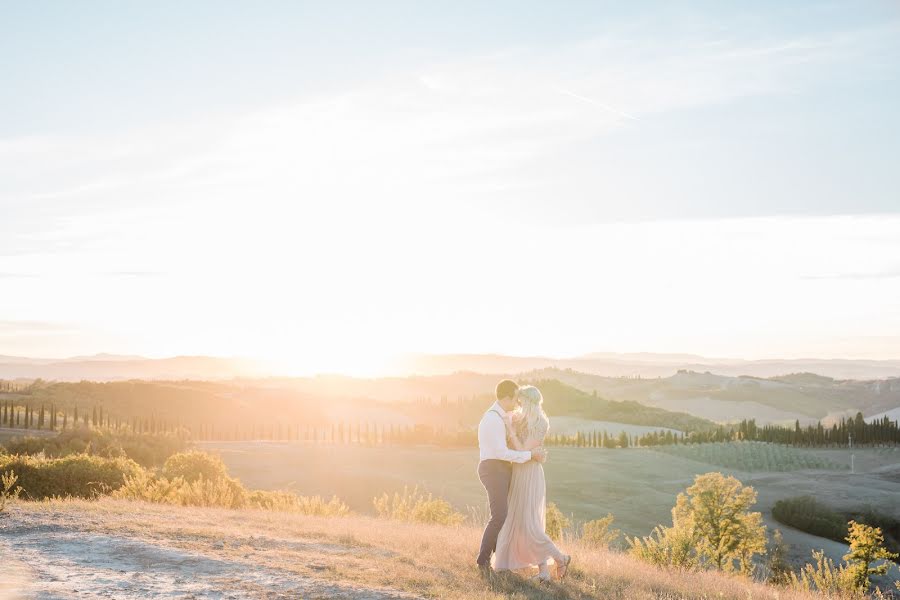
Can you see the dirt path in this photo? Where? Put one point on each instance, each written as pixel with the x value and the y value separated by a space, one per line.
pixel 63 554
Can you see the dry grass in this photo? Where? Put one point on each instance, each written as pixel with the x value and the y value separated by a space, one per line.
pixel 428 560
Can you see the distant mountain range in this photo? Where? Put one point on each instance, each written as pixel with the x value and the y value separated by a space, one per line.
pixel 109 367
pixel 646 365
pixel 719 391
pixel 803 397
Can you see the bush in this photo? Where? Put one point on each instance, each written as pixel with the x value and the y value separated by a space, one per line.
pixel 867 555
pixel 556 522
pixel 8 488
pixel 776 561
pixel 416 507
pixel 222 492
pixel 807 514
pixel 149 488
pixel 148 450
pixel 77 475
pixel 666 547
pixel 307 505
pixel 597 533
pixel 824 576
pixel 193 465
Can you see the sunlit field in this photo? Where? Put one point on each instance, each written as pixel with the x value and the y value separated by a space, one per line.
pixel 638 486
pixel 256 554
pixel 753 456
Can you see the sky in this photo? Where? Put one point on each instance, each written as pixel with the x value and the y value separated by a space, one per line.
pixel 324 185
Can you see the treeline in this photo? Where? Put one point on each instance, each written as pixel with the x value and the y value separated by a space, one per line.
pixel 880 432
pixel 10 386
pixel 366 434
pixel 51 418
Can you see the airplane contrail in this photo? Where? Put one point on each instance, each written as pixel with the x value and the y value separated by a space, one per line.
pixel 605 107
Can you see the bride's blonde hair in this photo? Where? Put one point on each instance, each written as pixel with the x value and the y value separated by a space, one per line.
pixel 532 410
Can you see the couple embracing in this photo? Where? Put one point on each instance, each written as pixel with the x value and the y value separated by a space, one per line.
pixel 510 442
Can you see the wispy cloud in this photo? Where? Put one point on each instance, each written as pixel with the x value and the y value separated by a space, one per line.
pixel 857 275
pixel 599 104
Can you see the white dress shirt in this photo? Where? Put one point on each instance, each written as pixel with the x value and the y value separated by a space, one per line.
pixel 492 438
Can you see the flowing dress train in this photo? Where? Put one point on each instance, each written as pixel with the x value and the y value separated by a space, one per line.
pixel 523 540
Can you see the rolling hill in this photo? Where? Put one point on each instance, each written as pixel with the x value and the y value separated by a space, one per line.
pixel 804 397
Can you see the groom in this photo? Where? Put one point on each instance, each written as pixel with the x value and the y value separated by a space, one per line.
pixel 495 468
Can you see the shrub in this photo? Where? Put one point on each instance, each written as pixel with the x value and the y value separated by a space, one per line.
pixel 148 488
pixel 597 533
pixel 307 505
pixel 849 579
pixel 193 465
pixel 556 522
pixel 223 492
pixel 866 549
pixel 807 514
pixel 148 450
pixel 777 563
pixel 666 547
pixel 77 475
pixel 8 488
pixel 824 576
pixel 416 506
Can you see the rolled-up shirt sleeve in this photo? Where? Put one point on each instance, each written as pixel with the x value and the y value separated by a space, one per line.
pixel 492 438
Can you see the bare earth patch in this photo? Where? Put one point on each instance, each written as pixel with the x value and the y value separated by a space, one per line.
pixel 59 550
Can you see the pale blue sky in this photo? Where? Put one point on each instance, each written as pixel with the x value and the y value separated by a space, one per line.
pixel 144 145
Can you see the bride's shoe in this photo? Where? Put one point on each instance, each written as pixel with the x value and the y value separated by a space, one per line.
pixel 541 578
pixel 562 569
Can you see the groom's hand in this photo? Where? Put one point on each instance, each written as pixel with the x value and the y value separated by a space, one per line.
pixel 539 455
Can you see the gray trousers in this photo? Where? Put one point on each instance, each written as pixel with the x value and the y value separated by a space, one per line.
pixel 495 476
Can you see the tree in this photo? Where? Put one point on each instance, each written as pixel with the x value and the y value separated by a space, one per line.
pixel 866 548
pixel 726 533
pixel 779 568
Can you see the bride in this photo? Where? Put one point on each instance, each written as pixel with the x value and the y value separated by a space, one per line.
pixel 523 541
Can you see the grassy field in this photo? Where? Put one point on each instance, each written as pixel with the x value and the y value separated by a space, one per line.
pixel 76 549
pixel 752 456
pixel 638 486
